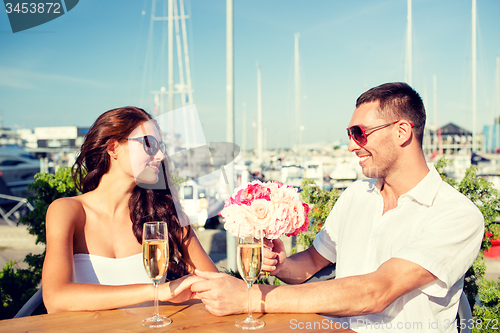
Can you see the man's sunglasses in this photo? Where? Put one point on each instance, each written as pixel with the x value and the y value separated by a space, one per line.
pixel 359 135
pixel 151 145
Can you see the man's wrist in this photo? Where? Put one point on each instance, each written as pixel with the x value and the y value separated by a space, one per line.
pixel 284 273
pixel 280 269
pixel 259 298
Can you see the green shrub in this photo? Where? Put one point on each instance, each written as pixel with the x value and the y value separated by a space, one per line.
pixel 321 203
pixel 487 313
pixel 16 288
pixel 485 197
pixel 478 190
pixel 47 188
pixel 18 285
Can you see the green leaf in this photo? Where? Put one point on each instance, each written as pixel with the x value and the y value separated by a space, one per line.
pixel 18 285
pixel 321 203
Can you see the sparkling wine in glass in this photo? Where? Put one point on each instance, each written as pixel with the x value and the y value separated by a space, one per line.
pixel 249 262
pixel 155 256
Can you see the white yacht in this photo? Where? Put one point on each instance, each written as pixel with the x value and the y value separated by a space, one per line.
pixel 17 169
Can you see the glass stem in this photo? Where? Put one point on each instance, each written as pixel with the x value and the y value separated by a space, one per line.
pixel 156 315
pixel 249 285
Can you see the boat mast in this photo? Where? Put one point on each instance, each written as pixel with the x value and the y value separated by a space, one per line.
pixel 179 56
pixel 408 58
pixel 170 14
pixel 297 91
pixel 244 136
pixel 428 124
pixel 171 55
pixel 230 240
pixel 259 117
pixel 474 78
pixel 497 88
pixel 184 88
pixel 439 143
pixel 229 72
pixel 186 54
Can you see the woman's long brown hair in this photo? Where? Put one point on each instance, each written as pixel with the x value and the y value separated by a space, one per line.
pixel 145 204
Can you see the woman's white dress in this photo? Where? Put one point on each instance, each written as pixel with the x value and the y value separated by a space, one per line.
pixel 90 268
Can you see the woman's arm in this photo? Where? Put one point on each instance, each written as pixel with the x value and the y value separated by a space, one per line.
pixel 197 254
pixel 60 293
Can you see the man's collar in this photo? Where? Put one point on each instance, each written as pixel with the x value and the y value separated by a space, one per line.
pixel 424 192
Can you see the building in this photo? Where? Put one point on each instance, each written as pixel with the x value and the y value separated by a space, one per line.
pixel 450 140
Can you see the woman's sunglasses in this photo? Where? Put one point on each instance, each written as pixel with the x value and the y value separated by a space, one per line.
pixel 151 145
pixel 359 135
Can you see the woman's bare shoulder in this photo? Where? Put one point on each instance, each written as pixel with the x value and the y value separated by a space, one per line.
pixel 67 202
pixel 66 209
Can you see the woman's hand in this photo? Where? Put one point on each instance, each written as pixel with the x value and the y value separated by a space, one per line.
pixel 274 256
pixel 178 291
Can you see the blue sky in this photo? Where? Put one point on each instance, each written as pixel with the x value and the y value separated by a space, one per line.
pixel 71 69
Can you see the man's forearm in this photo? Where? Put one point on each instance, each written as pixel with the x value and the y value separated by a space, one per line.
pixel 347 296
pixel 301 266
pixel 343 297
pixel 295 270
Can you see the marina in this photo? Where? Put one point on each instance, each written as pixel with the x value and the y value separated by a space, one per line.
pixel 242 92
pixel 330 167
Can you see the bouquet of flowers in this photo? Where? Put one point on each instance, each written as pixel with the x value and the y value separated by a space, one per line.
pixel 276 208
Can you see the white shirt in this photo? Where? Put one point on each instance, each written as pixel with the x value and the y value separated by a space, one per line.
pixel 433 226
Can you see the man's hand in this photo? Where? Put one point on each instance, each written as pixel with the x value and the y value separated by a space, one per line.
pixel 179 290
pixel 222 294
pixel 274 256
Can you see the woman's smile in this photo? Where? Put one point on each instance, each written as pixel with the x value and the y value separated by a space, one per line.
pixel 154 166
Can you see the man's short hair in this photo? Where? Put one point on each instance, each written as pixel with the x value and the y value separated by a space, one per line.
pixel 397 101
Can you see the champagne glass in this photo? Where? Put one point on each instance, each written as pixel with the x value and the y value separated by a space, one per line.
pixel 155 256
pixel 249 262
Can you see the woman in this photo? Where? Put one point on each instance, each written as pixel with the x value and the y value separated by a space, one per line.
pixel 94 253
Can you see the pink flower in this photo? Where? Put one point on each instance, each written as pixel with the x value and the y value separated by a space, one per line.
pixel 280 225
pixel 252 192
pixel 235 216
pixel 299 230
pixel 272 186
pixel 276 208
pixel 304 225
pixel 262 211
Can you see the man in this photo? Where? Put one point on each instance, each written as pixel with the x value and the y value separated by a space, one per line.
pixel 401 240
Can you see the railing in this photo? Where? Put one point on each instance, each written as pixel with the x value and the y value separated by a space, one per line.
pixel 20 202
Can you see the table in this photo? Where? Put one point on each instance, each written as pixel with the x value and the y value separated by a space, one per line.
pixel 190 316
